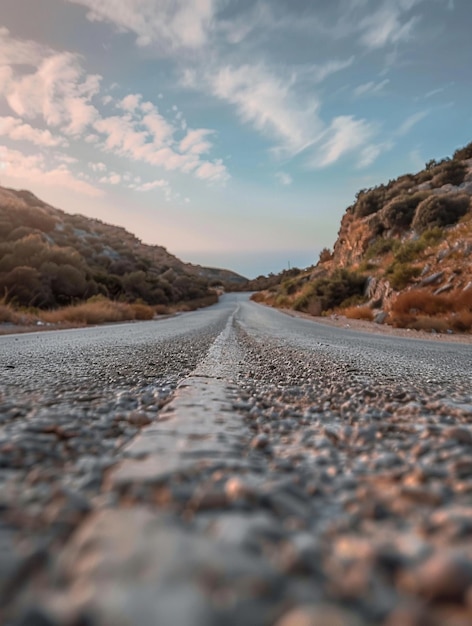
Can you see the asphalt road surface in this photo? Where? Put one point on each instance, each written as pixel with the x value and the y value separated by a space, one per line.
pixel 234 465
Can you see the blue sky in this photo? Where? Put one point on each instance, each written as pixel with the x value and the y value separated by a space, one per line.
pixel 233 132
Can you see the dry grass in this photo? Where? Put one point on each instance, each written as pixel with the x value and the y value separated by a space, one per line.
pixel 265 297
pixel 358 313
pixel 197 303
pixel 420 301
pixel 9 315
pixel 422 310
pixel 462 321
pixel 98 312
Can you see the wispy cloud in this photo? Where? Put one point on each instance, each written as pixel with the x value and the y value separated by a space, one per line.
pixel 267 102
pixel 370 88
pixel 34 168
pixel 15 129
pixel 168 25
pixel 433 92
pixel 20 52
pixel 284 178
pixel 411 121
pixel 146 136
pixel 345 135
pixel 370 153
pixel 196 142
pixel 155 184
pixel 57 93
pixel 319 72
pixel 388 24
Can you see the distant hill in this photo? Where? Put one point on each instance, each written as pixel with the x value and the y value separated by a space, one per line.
pixel 49 258
pixel 403 254
pixel 220 277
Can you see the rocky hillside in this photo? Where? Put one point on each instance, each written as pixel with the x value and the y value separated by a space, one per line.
pixel 49 258
pixel 403 254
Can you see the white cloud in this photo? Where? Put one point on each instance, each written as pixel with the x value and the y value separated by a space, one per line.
pixel 266 101
pixel 33 168
pixel 121 136
pixel 59 92
pixel 112 179
pixel 371 152
pixel 15 129
pixel 212 172
pixel 386 25
pixel 370 88
pixel 321 72
pixel 155 184
pixel 195 141
pixel 411 121
pixel 20 52
pixel 166 24
pixel 433 92
pixel 345 135
pixel 98 167
pixel 160 130
pixel 284 178
pixel 131 102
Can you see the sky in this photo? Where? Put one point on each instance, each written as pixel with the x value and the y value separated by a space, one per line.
pixel 233 132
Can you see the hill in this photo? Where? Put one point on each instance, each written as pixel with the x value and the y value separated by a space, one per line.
pixel 403 254
pixel 49 259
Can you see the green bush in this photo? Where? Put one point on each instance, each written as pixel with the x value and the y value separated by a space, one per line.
pixel 463 153
pixel 449 173
pixel 369 201
pixel 399 212
pixel 440 210
pixel 325 255
pixel 401 274
pixel 432 236
pixel 380 247
pixel 332 291
pixel 409 251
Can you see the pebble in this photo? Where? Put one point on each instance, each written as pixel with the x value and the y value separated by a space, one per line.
pixel 318 616
pixel 445 576
pixel 346 503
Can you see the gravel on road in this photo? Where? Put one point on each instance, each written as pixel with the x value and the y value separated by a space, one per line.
pixel 235 466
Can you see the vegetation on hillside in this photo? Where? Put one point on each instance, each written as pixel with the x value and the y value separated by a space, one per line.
pixel 50 259
pixel 400 245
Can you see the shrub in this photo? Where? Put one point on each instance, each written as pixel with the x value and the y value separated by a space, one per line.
pixel 462 300
pixel 422 310
pixel 98 310
pixel 429 323
pixel 440 210
pixel 369 201
pixel 380 247
pixel 409 251
pixel 462 321
pixel 331 291
pixel 420 301
pixel 463 153
pixel 359 313
pixel 23 286
pixel 325 255
pixel 401 274
pixel 451 172
pixel 142 311
pixel 399 212
pixel 432 236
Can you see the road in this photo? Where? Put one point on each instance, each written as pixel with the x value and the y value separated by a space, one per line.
pixel 234 465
